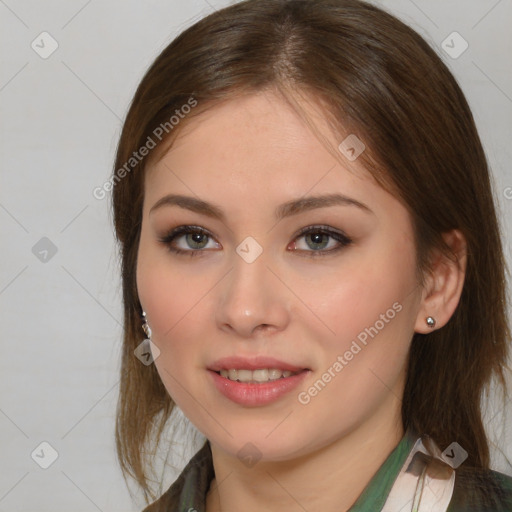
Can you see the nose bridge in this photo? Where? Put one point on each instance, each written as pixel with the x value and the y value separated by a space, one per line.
pixel 251 296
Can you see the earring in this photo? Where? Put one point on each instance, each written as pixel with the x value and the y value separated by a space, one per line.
pixel 147 351
pixel 145 326
pixel 431 321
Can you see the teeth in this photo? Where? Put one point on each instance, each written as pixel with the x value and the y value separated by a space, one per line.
pixel 243 375
pixel 274 374
pixel 260 375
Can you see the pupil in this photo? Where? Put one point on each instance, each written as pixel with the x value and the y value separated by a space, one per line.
pixel 196 238
pixel 317 238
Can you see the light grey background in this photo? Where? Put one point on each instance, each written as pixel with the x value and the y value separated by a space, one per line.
pixel 61 313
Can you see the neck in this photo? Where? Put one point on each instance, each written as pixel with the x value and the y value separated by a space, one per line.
pixel 328 479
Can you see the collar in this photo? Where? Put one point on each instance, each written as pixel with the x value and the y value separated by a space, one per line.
pixel 413 475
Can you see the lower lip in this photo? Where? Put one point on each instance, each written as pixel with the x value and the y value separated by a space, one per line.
pixel 253 395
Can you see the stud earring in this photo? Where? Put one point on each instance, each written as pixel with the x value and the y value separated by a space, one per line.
pixel 431 321
pixel 145 326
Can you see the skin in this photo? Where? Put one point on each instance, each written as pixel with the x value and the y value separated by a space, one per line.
pixel 248 156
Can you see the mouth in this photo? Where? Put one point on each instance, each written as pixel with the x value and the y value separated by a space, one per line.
pixel 257 376
pixel 256 382
pixel 255 370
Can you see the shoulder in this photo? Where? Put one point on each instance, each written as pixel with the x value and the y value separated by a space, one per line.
pixel 165 503
pixel 481 490
pixel 188 492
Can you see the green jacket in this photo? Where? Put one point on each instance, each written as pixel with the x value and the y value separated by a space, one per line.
pixel 415 477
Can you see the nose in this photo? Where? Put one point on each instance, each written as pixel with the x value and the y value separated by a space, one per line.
pixel 252 300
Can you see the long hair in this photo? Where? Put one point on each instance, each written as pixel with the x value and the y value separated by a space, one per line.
pixel 376 78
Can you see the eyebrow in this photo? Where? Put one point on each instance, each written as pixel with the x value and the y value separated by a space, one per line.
pixel 293 207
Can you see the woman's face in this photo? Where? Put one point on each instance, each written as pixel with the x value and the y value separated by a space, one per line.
pixel 337 304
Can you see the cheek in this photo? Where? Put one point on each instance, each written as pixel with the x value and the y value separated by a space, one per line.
pixel 171 301
pixel 161 294
pixel 369 307
pixel 360 296
pixel 165 291
pixel 169 298
pixel 176 303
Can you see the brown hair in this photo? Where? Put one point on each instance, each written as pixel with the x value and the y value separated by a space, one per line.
pixel 377 78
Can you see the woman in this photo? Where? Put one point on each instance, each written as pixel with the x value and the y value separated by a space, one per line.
pixel 310 246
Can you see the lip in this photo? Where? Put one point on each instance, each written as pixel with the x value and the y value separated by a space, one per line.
pixel 257 394
pixel 252 363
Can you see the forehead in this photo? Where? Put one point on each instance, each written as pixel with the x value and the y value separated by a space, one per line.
pixel 259 141
pixel 251 155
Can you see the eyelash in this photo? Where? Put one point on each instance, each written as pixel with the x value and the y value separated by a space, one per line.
pixel 341 238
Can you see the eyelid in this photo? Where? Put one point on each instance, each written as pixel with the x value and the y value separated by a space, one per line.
pixel 184 229
pixel 322 228
pixel 342 238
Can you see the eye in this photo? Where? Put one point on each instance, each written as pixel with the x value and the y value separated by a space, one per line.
pixel 195 239
pixel 317 238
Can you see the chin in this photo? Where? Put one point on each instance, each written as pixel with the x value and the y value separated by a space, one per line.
pixel 256 443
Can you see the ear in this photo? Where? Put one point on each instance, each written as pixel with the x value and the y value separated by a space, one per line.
pixel 443 286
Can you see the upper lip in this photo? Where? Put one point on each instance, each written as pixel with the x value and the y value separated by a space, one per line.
pixel 252 363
